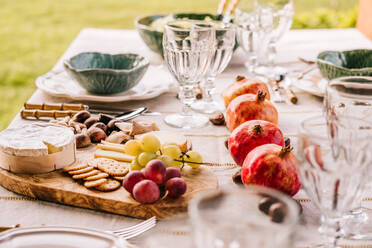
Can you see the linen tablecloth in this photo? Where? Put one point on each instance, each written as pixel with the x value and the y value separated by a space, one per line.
pixel 209 141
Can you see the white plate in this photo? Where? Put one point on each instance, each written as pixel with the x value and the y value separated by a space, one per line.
pixel 156 81
pixel 313 83
pixel 59 237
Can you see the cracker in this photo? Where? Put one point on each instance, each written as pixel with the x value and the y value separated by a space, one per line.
pixel 109 185
pixel 120 179
pixel 81 171
pixel 96 161
pixel 114 168
pixel 95 183
pixel 74 167
pixel 96 177
pixel 87 174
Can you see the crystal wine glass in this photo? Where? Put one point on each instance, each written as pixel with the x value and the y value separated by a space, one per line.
pixel 248 33
pixel 352 96
pixel 225 42
pixel 333 156
pixel 232 217
pixel 188 48
pixel 275 17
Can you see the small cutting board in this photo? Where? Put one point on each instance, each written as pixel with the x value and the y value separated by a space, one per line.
pixel 58 187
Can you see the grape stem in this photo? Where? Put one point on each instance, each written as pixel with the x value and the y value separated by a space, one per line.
pixel 189 162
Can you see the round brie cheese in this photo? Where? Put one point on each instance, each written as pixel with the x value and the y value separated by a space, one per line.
pixel 37 148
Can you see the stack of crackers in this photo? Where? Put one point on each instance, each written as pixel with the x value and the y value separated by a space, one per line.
pixel 102 174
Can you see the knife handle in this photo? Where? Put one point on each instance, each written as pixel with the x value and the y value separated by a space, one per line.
pixel 37 113
pixel 56 106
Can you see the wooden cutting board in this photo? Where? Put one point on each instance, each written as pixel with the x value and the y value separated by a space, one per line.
pixel 60 188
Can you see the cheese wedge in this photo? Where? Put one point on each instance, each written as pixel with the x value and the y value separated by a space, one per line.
pixel 37 148
pixel 118 156
pixel 111 147
pixel 167 137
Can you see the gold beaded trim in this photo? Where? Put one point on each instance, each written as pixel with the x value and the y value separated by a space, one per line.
pixel 220 164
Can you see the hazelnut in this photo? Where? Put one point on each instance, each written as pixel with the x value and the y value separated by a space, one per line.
pixel 105 118
pixel 82 140
pixel 99 125
pixel 239 78
pixel 96 134
pixel 265 204
pixel 90 121
pixel 226 144
pixel 237 177
pixel 277 212
pixel 81 116
pixel 217 119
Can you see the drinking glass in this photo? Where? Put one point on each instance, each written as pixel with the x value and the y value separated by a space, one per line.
pixel 188 48
pixel 248 33
pixel 333 155
pixel 225 42
pixel 230 217
pixel 275 18
pixel 352 96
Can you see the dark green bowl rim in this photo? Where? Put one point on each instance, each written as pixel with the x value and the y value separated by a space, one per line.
pixel 137 23
pixel 147 27
pixel 144 63
pixel 323 61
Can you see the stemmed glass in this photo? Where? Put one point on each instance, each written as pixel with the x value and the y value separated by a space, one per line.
pixel 352 96
pixel 275 18
pixel 188 48
pixel 248 33
pixel 225 42
pixel 333 155
pixel 231 217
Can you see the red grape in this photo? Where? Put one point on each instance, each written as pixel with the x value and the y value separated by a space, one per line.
pixel 172 172
pixel 146 191
pixel 155 171
pixel 176 187
pixel 132 179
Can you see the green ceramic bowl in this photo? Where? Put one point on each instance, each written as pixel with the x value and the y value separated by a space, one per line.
pixel 101 73
pixel 333 64
pixel 154 38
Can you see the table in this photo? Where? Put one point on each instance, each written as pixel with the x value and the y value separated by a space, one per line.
pixel 306 43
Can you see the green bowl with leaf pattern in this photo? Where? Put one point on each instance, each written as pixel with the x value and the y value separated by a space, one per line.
pixel 101 73
pixel 334 64
pixel 151 27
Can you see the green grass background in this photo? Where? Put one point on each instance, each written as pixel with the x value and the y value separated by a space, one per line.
pixel 34 34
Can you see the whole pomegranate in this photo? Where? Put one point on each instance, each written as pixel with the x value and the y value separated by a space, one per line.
pixel 251 134
pixel 272 166
pixel 250 107
pixel 243 86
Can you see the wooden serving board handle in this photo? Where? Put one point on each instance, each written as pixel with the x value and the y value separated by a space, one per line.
pixel 56 106
pixel 36 113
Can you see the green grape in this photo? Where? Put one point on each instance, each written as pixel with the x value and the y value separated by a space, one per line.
pixel 168 161
pixel 172 151
pixel 150 143
pixel 167 144
pixel 195 157
pixel 177 164
pixel 135 165
pixel 133 147
pixel 145 157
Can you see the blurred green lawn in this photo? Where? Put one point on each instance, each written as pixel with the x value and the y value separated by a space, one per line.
pixel 34 34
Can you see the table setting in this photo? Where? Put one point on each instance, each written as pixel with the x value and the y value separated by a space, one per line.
pixel 222 129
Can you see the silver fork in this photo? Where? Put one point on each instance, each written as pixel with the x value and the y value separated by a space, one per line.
pixel 133 231
pixel 125 233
